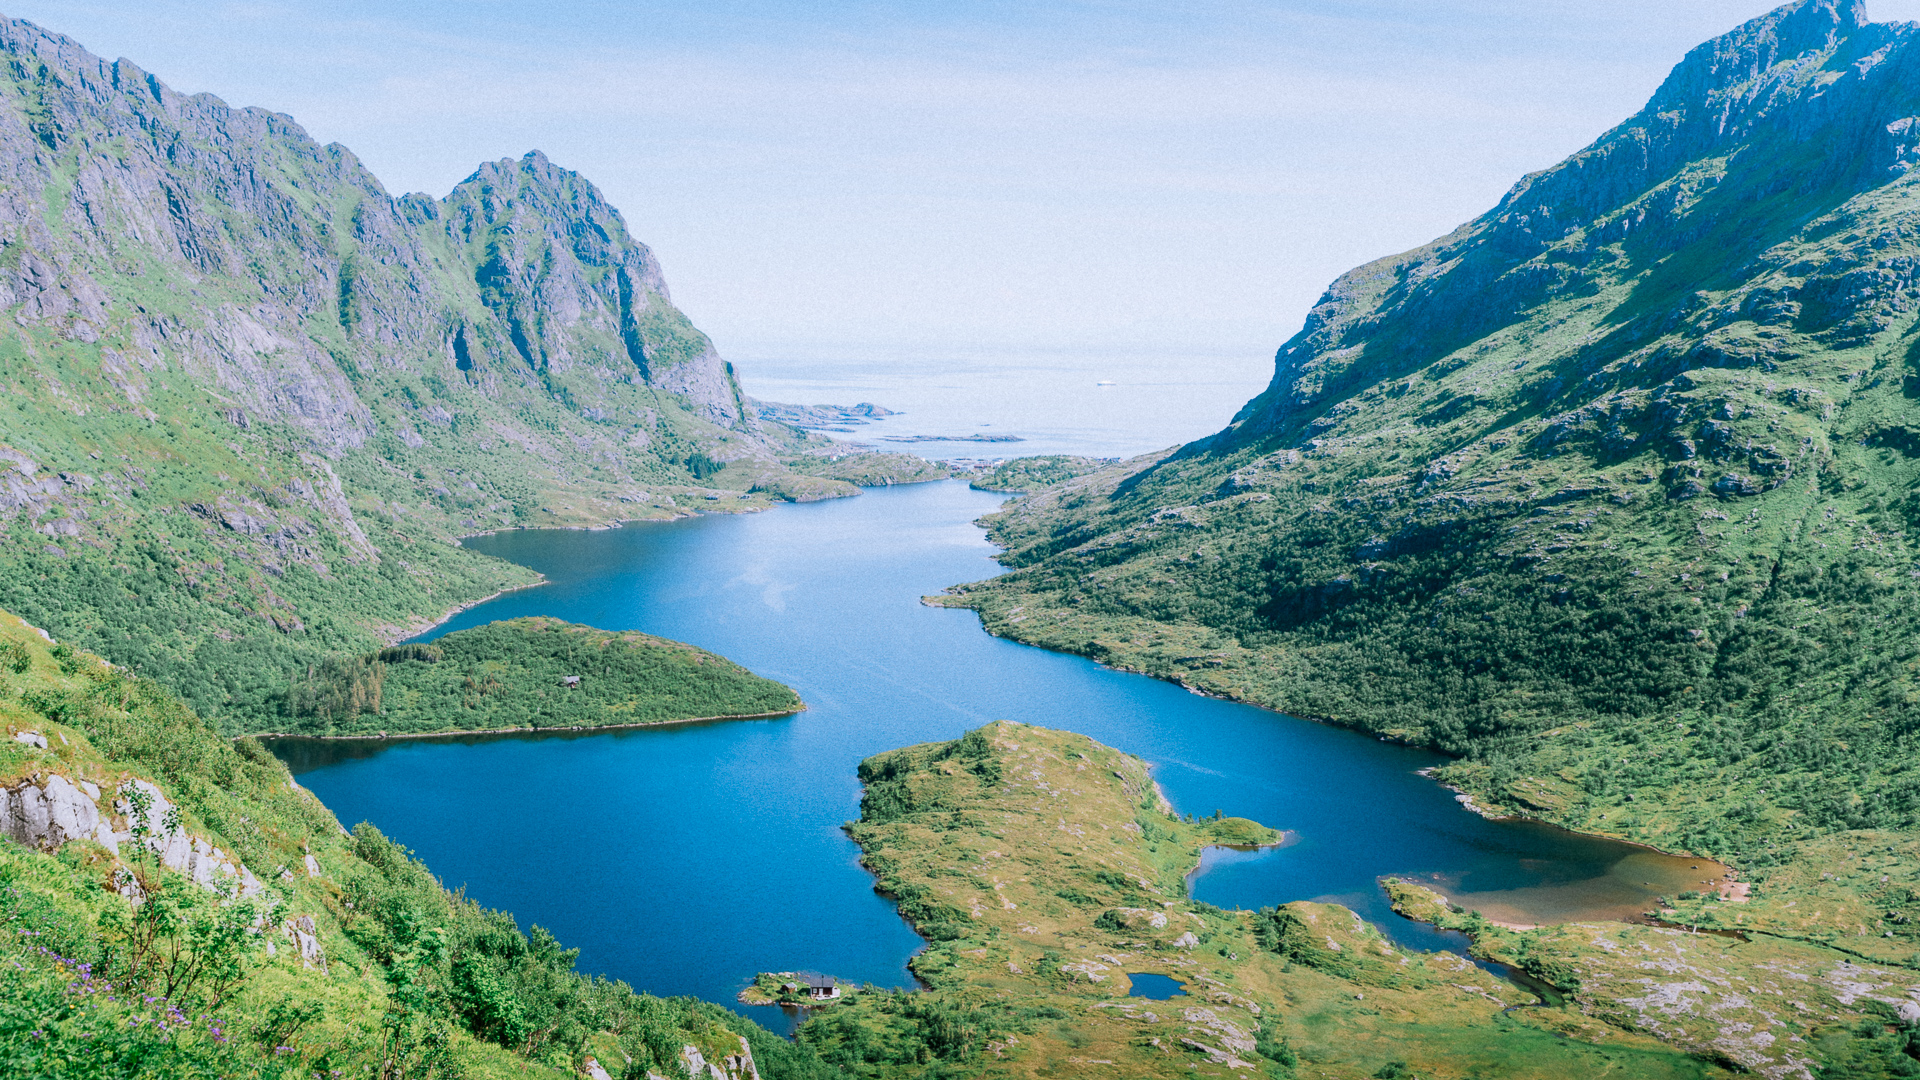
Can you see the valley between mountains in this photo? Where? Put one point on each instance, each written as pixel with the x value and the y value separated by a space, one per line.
pixel 1610 494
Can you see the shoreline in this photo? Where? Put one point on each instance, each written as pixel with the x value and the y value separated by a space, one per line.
pixel 1178 679
pixel 470 605
pixel 390 736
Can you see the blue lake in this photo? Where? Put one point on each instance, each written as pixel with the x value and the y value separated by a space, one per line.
pixel 685 859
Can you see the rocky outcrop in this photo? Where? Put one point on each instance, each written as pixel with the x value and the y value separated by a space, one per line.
pixel 49 814
pixel 142 804
pixel 730 1067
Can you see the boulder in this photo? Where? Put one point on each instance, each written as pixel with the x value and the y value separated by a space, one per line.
pixel 49 815
pixel 1132 918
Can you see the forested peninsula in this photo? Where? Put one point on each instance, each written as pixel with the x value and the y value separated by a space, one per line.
pixel 527 675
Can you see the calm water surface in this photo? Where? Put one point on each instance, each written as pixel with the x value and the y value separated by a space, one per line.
pixel 1156 987
pixel 685 859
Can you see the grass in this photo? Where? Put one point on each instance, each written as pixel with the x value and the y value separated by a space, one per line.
pixel 1043 867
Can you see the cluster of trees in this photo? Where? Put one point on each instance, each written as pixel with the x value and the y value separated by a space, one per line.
pixel 930 1035
pixel 449 961
pixel 509 675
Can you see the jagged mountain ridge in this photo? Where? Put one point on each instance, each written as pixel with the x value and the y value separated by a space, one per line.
pixel 1802 109
pixel 244 378
pixel 1637 448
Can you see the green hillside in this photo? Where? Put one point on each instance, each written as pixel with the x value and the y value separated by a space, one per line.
pixel 516 673
pixel 269 942
pixel 1612 490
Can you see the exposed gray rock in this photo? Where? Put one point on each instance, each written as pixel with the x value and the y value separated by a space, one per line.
pixel 304 937
pixel 49 815
pixel 179 850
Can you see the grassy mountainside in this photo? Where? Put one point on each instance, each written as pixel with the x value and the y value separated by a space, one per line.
pixel 252 399
pixel 1611 490
pixel 269 943
pixel 1027 473
pixel 510 674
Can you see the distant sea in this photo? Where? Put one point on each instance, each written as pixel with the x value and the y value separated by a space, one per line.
pixel 1100 404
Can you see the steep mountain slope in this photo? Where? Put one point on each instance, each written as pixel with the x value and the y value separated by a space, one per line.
pixel 1612 489
pixel 252 399
pixel 265 940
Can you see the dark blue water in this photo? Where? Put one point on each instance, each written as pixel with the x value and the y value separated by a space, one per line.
pixel 685 859
pixel 1156 987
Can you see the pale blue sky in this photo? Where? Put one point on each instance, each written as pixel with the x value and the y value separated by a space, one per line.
pixel 858 178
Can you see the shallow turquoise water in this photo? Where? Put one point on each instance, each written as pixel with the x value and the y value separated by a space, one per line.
pixel 685 859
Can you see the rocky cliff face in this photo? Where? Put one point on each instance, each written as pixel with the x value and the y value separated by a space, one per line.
pixel 255 395
pixel 228 242
pixel 1641 441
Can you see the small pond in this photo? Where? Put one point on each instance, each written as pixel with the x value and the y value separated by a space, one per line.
pixel 1157 987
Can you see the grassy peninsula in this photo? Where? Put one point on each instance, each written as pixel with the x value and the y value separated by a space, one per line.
pixel 270 942
pixel 1025 474
pixel 527 673
pixel 1044 867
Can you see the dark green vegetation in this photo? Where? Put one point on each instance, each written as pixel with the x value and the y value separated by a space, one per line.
pixel 514 673
pixel 366 965
pixel 1027 473
pixel 251 400
pixel 1612 490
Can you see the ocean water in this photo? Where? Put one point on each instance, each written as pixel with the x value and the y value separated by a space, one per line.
pixel 1094 403
pixel 685 859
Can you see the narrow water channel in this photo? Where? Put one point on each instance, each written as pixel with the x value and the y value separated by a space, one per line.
pixel 685 859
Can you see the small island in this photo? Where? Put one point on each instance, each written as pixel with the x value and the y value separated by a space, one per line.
pixel 796 989
pixel 1024 474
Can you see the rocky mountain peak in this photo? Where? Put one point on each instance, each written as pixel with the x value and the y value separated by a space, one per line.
pixel 1754 46
pixel 1753 136
pixel 1742 68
